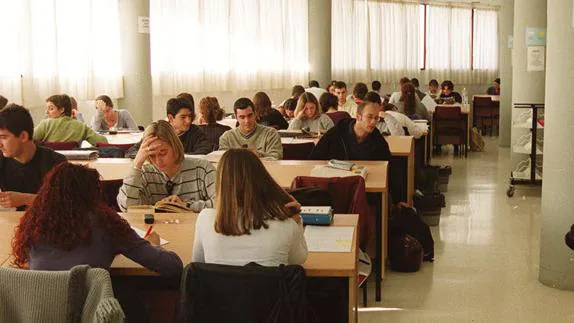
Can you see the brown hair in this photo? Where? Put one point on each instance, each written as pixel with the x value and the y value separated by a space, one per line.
pixel 305 98
pixel 328 101
pixel 62 101
pixel 209 107
pixel 262 104
pixel 107 101
pixel 408 97
pixel 247 196
pixel 165 132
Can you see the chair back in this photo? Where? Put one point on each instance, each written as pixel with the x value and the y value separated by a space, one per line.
pixel 78 295
pixel 110 190
pixel 252 293
pixel 447 113
pixel 298 151
pixel 59 145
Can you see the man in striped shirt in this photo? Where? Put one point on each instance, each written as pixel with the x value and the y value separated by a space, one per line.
pixel 168 175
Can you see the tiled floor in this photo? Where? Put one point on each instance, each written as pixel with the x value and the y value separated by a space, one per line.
pixel 486 255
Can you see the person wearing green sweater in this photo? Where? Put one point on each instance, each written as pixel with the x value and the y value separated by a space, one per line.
pixel 60 126
pixel 262 140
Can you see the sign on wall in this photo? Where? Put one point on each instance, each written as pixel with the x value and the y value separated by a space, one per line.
pixel 535 36
pixel 535 58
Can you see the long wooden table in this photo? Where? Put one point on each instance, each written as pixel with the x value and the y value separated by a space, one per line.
pixel 181 237
pixel 284 171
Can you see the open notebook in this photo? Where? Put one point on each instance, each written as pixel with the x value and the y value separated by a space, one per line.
pixel 79 154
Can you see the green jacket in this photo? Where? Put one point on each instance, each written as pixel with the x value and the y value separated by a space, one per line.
pixel 66 129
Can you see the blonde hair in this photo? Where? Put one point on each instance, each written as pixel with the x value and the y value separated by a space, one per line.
pixel 165 132
pixel 247 196
pixel 305 98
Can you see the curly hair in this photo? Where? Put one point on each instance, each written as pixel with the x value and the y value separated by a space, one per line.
pixel 209 107
pixel 59 214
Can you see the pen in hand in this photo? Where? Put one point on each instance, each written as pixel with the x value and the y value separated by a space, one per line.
pixel 148 232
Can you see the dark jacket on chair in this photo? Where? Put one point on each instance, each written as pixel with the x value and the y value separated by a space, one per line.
pixel 348 196
pixel 252 293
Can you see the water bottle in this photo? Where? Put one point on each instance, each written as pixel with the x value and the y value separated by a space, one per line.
pixel 464 96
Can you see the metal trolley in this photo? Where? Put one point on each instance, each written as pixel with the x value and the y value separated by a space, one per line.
pixel 534 153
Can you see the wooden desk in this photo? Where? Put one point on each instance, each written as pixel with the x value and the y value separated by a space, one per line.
pixel 404 146
pixel 181 237
pixel 284 171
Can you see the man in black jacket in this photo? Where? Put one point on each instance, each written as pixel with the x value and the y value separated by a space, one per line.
pixel 180 114
pixel 358 139
pixel 23 164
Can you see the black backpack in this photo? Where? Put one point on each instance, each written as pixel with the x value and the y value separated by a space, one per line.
pixel 405 253
pixel 408 221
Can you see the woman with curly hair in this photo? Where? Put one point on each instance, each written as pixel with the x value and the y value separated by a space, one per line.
pixel 210 110
pixel 69 224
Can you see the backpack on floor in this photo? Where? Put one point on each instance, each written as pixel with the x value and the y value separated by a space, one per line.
pixel 405 253
pixel 408 221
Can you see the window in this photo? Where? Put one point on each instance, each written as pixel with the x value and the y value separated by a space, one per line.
pixel 204 45
pixel 60 46
pixel 403 39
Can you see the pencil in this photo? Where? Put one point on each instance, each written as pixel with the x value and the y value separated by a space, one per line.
pixel 149 231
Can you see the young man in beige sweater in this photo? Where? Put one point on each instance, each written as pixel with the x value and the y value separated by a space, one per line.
pixel 262 140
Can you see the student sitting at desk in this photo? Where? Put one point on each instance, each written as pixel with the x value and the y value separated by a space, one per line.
pixel 329 106
pixel 357 139
pixel 180 114
pixel 448 93
pixel 59 126
pixel 410 104
pixel 70 224
pixel 168 175
pixel 309 116
pixel 495 88
pixel 264 141
pixel 107 117
pixel 388 125
pixel 253 220
pixel 209 108
pixel 23 164
pixel 266 115
pixel 404 122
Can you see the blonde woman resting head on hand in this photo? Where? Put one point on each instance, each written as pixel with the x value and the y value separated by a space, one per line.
pixel 254 219
pixel 308 115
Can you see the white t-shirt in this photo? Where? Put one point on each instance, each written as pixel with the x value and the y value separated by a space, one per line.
pixel 282 243
pixel 350 107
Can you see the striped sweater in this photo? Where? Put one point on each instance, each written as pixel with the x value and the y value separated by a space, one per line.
pixel 193 183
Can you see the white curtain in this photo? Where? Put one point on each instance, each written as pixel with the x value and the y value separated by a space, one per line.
pixel 374 40
pixel 384 40
pixel 59 46
pixel 207 45
pixel 486 41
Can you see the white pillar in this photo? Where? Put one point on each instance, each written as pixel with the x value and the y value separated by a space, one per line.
pixel 135 62
pixel 320 41
pixel 556 265
pixel 527 86
pixel 506 29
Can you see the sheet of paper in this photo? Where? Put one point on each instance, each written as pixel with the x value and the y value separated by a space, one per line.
pixel 535 58
pixel 141 233
pixel 329 239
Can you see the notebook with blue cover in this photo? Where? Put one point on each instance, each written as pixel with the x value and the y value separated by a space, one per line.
pixel 317 215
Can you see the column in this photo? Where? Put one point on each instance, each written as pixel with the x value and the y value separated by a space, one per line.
pixel 506 30
pixel 556 265
pixel 320 41
pixel 527 86
pixel 135 61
